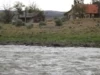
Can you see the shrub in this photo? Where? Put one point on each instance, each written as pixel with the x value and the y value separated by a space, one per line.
pixel 29 25
pixel 42 24
pixel 6 15
pixel 0 27
pixel 64 19
pixel 94 19
pixel 18 22
pixel 58 22
pixel 98 24
pixel 55 18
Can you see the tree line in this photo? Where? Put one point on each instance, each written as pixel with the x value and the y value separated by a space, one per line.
pixel 8 13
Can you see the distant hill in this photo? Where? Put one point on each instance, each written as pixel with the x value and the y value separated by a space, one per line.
pixel 1 10
pixel 52 14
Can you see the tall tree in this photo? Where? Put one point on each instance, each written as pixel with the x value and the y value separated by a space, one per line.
pixel 19 7
pixel 79 10
pixel 7 14
pixel 33 8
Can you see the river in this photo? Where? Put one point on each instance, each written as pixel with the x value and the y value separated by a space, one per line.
pixel 37 60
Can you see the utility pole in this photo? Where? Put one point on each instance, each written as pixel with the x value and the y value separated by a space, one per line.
pixel 25 15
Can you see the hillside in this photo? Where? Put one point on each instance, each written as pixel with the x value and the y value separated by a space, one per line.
pixel 52 14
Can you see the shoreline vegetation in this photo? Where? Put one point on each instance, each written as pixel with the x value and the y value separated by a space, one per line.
pixel 75 33
pixel 52 44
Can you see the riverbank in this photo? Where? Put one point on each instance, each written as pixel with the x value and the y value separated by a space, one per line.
pixel 97 45
pixel 79 33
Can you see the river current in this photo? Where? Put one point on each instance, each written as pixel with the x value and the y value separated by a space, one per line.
pixel 37 60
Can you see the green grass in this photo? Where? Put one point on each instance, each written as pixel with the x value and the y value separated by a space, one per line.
pixel 69 33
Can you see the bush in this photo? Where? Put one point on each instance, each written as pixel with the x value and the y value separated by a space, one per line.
pixel 98 24
pixel 29 25
pixel 55 18
pixel 42 24
pixel 0 27
pixel 58 22
pixel 18 22
pixel 6 15
pixel 64 19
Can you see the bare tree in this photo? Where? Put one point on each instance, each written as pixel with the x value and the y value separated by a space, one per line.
pixel 33 8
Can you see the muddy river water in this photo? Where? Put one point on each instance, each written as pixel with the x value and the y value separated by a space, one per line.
pixel 37 60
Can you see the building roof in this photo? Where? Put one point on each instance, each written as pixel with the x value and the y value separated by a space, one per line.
pixel 91 8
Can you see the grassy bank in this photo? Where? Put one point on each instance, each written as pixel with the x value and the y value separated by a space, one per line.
pixel 83 32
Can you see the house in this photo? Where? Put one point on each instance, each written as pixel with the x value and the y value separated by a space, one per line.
pixel 84 11
pixel 98 3
pixel 77 11
pixel 91 10
pixel 81 10
pixel 32 17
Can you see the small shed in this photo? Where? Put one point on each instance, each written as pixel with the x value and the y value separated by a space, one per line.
pixel 32 17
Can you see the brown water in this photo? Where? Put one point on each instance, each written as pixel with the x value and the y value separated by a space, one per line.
pixel 35 60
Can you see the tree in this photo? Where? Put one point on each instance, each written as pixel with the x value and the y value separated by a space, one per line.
pixel 19 7
pixel 79 10
pixel 42 16
pixel 7 15
pixel 33 8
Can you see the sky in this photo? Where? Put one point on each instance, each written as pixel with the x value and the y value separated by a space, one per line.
pixel 57 5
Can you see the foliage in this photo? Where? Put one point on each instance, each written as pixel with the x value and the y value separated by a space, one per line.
pixel 33 8
pixel 6 15
pixel 55 18
pixel 79 11
pixel 41 14
pixel 66 13
pixel 64 19
pixel 18 23
pixel 58 22
pixel 42 24
pixel 29 25
pixel 19 6
pixel 1 15
pixel 98 24
pixel 0 27
pixel 72 33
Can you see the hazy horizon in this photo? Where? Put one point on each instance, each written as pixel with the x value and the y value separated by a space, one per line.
pixel 54 5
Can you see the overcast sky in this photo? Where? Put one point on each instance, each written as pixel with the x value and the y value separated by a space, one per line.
pixel 57 5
